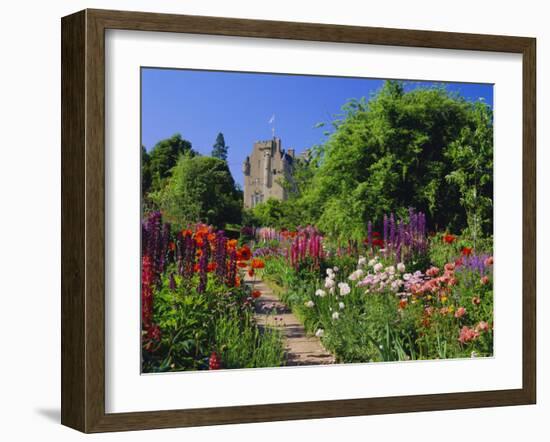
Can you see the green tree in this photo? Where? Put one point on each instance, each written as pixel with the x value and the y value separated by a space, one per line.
pixel 471 160
pixel 200 189
pixel 145 172
pixel 163 157
pixel 395 151
pixel 219 150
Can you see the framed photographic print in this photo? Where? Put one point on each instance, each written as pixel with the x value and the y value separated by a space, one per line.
pixel 269 220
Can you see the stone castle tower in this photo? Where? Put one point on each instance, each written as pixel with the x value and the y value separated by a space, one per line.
pixel 264 169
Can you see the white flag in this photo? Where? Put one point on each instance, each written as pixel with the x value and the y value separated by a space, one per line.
pixel 272 119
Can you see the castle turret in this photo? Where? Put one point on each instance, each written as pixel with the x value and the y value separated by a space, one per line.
pixel 264 170
pixel 246 167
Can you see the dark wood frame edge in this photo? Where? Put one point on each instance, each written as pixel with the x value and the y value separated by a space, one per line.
pixel 83 215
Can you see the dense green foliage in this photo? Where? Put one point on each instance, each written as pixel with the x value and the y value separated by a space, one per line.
pixel 426 148
pixel 200 189
pixel 157 164
pixel 195 324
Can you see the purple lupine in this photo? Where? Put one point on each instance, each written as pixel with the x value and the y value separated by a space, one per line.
pixel 144 237
pixel 172 282
pixel 165 241
pixel 189 256
pixel 232 269
pixel 412 222
pixel 180 251
pixel 402 238
pixel 155 238
pixel 385 228
pixel 474 263
pixel 203 266
pixel 221 255
pixel 392 230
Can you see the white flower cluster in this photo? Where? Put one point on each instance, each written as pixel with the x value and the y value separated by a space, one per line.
pixel 381 278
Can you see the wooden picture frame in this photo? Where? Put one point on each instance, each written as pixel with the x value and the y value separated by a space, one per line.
pixel 83 219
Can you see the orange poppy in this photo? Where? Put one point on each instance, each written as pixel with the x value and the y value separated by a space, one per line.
pixel 196 267
pixel 172 246
pixel 211 267
pixel 242 264
pixel 258 263
pixel 256 294
pixel 237 281
pixel 186 232
pixel 211 237
pixel 245 253
pixel 251 273
pixel 231 244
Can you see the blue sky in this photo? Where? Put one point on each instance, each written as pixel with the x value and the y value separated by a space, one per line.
pixel 199 104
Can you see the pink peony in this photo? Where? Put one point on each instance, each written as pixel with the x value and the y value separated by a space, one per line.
pixel 467 334
pixel 482 326
pixel 449 267
pixel 460 312
pixel 489 261
pixel 484 280
pixel 432 271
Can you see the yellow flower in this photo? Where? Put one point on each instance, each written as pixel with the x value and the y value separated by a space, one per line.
pixel 443 299
pixel 451 309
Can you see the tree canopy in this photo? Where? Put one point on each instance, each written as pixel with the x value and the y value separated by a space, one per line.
pixel 157 164
pixel 425 148
pixel 200 189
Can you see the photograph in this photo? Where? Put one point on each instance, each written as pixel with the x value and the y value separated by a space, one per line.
pixel 303 220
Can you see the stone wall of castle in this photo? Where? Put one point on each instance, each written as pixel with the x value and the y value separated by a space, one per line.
pixel 264 169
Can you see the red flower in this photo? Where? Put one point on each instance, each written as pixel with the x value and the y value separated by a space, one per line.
pixel 172 246
pixel 154 333
pixel 459 262
pixel 256 294
pixel 466 251
pixel 449 239
pixel 258 263
pixel 251 273
pixel 214 362
pixel 211 267
pixel 244 253
pixel 196 268
pixel 403 303
pixel 241 264
pixel 376 234
pixel 378 242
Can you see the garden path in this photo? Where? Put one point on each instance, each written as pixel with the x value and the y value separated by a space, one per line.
pixel 300 348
